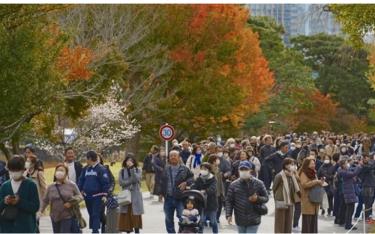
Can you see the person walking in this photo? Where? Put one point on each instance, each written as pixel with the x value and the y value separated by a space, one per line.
pixel 327 171
pixel 62 195
pixel 243 197
pixel 215 162
pixel 148 169
pixel 19 200
pixel 310 210
pixel 176 178
pixel 130 177
pixel 158 163
pixel 266 171
pixel 94 185
pixel 206 183
pixel 195 160
pixel 75 167
pixel 285 189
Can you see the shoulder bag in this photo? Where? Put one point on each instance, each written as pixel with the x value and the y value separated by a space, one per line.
pixel 75 210
pixel 125 196
pixel 316 194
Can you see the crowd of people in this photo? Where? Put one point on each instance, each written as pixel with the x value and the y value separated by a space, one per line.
pixel 305 174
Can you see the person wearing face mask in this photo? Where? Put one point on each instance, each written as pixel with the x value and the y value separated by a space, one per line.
pixel 159 165
pixel 195 160
pixel 62 195
pixel 206 183
pixel 244 194
pixel 327 171
pixel 94 184
pixel 130 178
pixel 286 192
pixel 20 194
pixel 367 177
pixel 36 173
pixel 350 197
pixel 215 163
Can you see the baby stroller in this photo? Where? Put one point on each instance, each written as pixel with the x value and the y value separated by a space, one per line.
pixel 200 205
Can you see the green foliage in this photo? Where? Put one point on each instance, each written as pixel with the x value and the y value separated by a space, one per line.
pixel 341 70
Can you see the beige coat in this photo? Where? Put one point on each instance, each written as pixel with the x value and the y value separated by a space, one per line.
pixel 40 181
pixel 308 208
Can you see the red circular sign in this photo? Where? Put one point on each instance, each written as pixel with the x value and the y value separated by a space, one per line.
pixel 166 132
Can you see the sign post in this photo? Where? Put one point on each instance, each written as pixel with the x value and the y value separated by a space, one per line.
pixel 167 133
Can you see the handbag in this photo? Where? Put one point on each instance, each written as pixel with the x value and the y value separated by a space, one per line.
pixel 9 213
pixel 75 211
pixel 261 209
pixel 281 205
pixel 124 197
pixel 316 194
pixel 112 202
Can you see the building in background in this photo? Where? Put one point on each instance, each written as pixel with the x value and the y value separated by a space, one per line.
pixel 298 19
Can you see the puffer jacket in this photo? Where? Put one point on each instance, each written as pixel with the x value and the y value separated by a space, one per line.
pixel 237 199
pixel 183 175
pixel 348 177
pixel 209 186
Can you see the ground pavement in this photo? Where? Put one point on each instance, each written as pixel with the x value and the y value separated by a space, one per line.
pixel 153 221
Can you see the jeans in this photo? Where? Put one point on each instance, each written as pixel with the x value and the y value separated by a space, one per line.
pixel 248 229
pixel 170 206
pixel 211 215
pixel 297 214
pixel 94 208
pixel 348 215
pixel 65 226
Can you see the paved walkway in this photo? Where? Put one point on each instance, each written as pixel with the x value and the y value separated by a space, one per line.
pixel 153 221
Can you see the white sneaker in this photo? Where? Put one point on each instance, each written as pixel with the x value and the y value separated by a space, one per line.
pixel 296 230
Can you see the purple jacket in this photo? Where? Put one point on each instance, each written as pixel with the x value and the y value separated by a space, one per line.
pixel 348 177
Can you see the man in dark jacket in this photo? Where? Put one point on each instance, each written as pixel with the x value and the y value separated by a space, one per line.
pixel 185 152
pixel 367 177
pixel 243 196
pixel 176 177
pixel 148 169
pixel 265 170
pixel 75 167
pixel 94 185
pixel 276 159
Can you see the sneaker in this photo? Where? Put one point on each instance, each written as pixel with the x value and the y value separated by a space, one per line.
pixel 296 230
pixel 370 221
pixel 351 227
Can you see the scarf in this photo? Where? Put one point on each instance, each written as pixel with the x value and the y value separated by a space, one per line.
pixel 197 160
pixel 286 189
pixel 311 174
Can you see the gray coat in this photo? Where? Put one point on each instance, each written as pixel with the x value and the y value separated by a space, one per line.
pixel 133 183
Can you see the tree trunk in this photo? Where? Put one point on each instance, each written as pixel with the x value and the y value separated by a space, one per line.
pixel 6 152
pixel 15 145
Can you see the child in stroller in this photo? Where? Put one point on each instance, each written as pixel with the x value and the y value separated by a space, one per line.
pixel 195 203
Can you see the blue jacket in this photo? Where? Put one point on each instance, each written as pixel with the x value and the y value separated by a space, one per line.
pixel 94 181
pixel 348 185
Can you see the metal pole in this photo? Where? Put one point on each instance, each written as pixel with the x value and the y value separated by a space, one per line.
pixel 166 149
pixel 364 218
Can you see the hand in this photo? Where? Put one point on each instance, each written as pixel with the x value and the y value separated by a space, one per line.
pixel 203 191
pixel 38 215
pixel 104 199
pixel 8 200
pixel 67 205
pixel 83 194
pixel 253 198
pixel 229 220
pixel 15 200
pixel 182 186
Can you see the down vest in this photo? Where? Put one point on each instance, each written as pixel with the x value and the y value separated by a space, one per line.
pixel 237 199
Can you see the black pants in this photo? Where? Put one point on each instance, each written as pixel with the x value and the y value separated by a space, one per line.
pixel 297 214
pixel 368 199
pixel 348 215
pixel 330 199
pixel 340 215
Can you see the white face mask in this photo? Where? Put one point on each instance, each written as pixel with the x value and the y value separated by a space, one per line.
pixel 292 148
pixel 232 145
pixel 220 154
pixel 15 175
pixel 326 161
pixel 217 162
pixel 290 168
pixel 343 150
pixel 204 173
pixel 27 164
pixel 244 174
pixel 348 165
pixel 60 175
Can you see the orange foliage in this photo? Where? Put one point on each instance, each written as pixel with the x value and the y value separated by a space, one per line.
pixel 317 116
pixel 209 29
pixel 74 63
